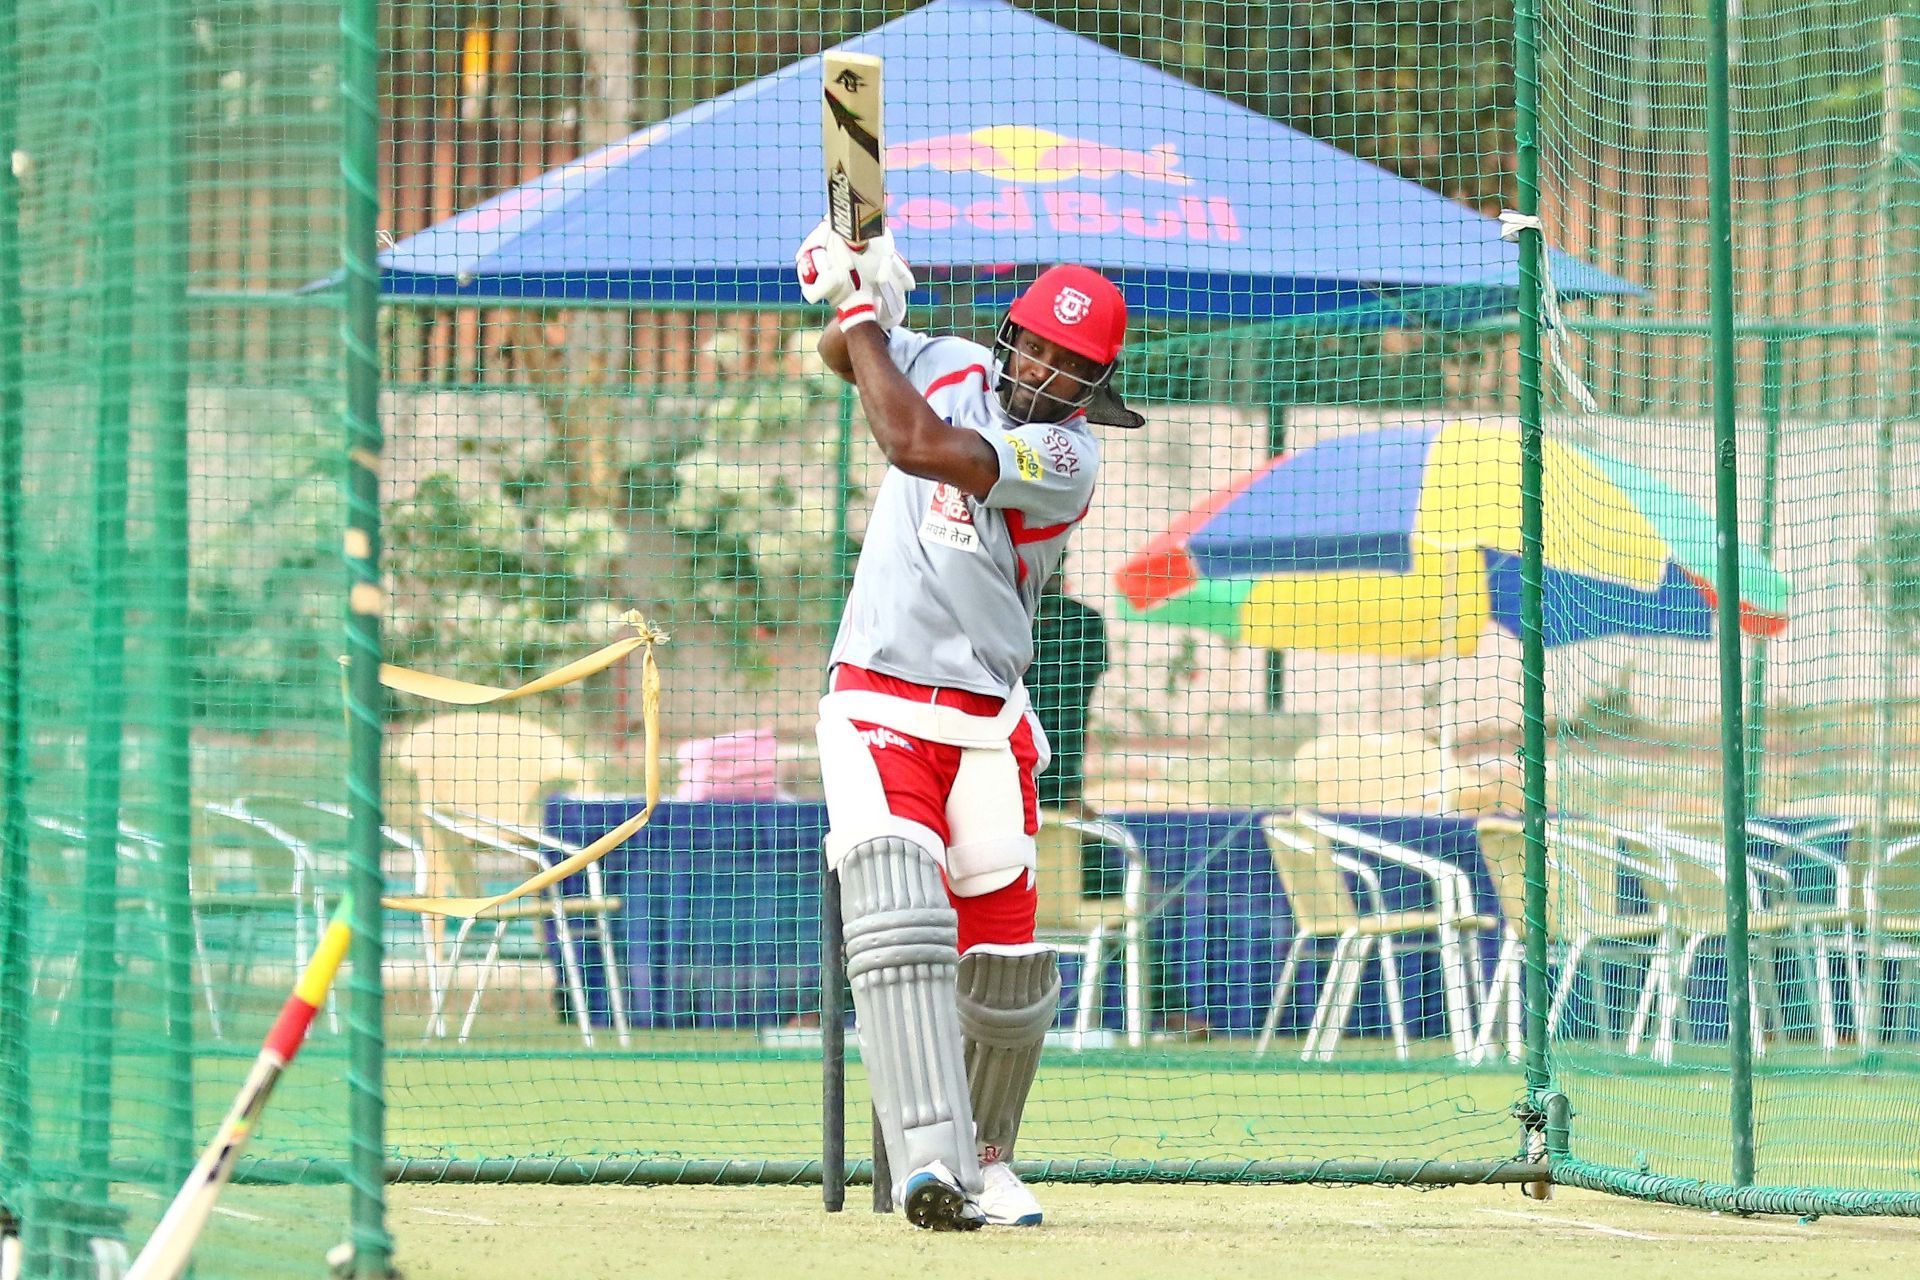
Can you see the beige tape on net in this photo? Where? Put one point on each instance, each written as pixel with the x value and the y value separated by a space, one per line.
pixel 461 693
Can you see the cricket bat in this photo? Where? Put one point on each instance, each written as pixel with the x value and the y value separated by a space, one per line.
pixel 171 1247
pixel 855 156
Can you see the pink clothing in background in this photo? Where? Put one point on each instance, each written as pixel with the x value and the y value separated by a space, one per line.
pixel 731 766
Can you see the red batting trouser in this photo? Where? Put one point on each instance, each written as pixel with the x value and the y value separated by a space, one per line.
pixel 917 776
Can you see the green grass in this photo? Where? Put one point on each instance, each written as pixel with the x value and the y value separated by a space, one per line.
pixel 1121 1233
pixel 753 1107
pixel 712 1095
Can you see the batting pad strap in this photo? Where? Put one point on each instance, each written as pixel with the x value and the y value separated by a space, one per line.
pixel 986 865
pixel 902 941
pixel 1007 998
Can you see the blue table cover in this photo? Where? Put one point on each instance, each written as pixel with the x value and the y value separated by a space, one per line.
pixel 719 922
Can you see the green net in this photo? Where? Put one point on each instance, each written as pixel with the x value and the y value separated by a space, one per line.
pixel 1820 102
pixel 174 603
pixel 1283 858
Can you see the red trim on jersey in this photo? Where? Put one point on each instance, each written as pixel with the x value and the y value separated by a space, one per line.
pixel 1017 526
pixel 1021 535
pixel 959 375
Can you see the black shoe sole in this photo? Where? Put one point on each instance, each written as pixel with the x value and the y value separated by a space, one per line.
pixel 935 1206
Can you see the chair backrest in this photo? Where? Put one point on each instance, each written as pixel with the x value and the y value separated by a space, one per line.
pixel 1694 855
pixel 1310 876
pixel 323 825
pixel 1896 881
pixel 238 853
pixel 1057 875
pixel 1503 848
pixel 488 763
pixel 1588 867
pixel 1060 877
pixel 1889 863
pixel 485 763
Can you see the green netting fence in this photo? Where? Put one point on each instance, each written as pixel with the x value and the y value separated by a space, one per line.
pixel 241 467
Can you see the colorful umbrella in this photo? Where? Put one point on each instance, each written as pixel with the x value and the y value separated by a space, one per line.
pixel 1406 541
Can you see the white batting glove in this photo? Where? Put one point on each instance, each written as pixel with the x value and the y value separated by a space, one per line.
pixel 867 285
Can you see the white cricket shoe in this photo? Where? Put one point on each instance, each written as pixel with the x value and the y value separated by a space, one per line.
pixel 933 1198
pixel 1007 1201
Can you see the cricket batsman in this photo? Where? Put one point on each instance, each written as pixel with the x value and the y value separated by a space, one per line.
pixel 928 748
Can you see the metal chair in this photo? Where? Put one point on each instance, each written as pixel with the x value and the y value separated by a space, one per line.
pixel 321 826
pixel 252 868
pixel 62 878
pixel 1586 867
pixel 489 768
pixel 1307 857
pixel 534 846
pixel 1092 926
pixel 1691 891
pixel 1820 916
pixel 1879 924
pixel 1890 919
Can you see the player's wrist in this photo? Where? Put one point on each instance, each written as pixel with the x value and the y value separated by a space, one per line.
pixel 856 310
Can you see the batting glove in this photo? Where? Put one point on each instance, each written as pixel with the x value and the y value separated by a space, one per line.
pixel 865 285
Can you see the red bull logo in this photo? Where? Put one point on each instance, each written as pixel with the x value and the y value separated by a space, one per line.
pixel 1024 157
pixel 1022 154
pixel 1075 213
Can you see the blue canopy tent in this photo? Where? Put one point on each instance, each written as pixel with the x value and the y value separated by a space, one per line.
pixel 1011 143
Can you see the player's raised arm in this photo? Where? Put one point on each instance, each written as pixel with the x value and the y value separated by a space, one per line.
pixel 867 288
pixel 915 438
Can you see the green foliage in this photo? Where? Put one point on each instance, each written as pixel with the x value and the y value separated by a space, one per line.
pixel 757 502
pixel 265 620
pixel 493 583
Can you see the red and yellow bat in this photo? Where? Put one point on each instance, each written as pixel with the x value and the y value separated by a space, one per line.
pixel 171 1246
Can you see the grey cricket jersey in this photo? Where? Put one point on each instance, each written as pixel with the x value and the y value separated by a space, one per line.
pixel 946 587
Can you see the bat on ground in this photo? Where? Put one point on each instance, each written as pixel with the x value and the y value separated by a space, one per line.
pixel 171 1246
pixel 855 158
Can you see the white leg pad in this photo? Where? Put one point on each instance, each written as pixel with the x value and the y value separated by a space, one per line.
pixel 1008 996
pixel 902 954
pixel 990 847
pixel 857 799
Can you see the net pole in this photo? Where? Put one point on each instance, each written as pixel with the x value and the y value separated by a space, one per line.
pixel 106 670
pixel 173 537
pixel 1772 397
pixel 1276 398
pixel 16 1104
pixel 359 334
pixel 1725 379
pixel 833 1048
pixel 833 956
pixel 1533 659
pixel 1881 192
pixel 843 491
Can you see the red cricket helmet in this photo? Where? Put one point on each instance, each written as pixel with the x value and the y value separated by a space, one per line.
pixel 1081 311
pixel 1076 307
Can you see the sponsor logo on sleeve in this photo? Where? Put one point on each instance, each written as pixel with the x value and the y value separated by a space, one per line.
pixel 1024 458
pixel 1060 451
